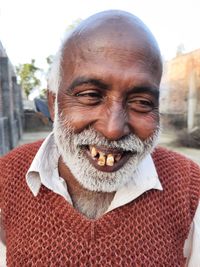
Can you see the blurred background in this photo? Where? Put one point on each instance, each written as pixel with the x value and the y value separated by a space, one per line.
pixel 31 32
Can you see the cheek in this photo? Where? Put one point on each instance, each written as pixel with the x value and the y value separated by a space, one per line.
pixel 144 125
pixel 80 117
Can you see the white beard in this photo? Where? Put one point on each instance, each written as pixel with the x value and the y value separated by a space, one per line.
pixel 69 147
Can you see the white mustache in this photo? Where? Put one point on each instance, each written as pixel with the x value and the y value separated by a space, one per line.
pixel 87 137
pixel 90 137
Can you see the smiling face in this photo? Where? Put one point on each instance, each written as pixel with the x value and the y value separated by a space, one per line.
pixel 107 104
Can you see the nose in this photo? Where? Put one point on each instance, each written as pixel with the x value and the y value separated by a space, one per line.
pixel 113 123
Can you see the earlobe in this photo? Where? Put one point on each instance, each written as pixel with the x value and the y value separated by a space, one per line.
pixel 51 103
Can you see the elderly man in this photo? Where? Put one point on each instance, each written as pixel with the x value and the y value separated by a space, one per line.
pixel 94 193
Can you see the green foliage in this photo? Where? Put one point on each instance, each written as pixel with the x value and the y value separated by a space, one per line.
pixel 27 73
pixel 43 93
pixel 27 76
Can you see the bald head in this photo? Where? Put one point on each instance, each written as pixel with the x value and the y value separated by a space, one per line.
pixel 111 32
pixel 113 26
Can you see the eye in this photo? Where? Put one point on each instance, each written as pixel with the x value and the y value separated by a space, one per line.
pixel 140 104
pixel 89 97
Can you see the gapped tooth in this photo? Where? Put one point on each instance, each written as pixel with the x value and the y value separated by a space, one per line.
pixel 93 151
pixel 102 159
pixel 110 160
pixel 118 157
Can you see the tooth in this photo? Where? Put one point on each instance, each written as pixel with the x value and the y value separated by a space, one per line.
pixel 118 157
pixel 102 159
pixel 110 160
pixel 93 152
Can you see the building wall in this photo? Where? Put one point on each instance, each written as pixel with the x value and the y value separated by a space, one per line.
pixel 11 109
pixel 180 89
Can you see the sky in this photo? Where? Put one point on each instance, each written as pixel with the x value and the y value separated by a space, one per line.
pixel 34 28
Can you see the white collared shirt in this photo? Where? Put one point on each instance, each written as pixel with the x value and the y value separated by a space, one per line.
pixel 44 171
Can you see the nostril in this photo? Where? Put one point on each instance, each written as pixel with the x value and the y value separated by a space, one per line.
pixel 112 123
pixel 116 132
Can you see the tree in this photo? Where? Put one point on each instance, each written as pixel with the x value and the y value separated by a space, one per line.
pixel 27 76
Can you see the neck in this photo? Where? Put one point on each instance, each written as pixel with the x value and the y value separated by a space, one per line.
pixel 90 203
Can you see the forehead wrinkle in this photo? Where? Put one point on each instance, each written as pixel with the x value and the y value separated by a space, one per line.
pixel 77 53
pixel 124 57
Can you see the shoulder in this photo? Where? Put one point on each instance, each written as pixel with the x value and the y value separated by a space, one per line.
pixel 17 162
pixel 164 157
pixel 24 153
pixel 179 173
pixel 14 165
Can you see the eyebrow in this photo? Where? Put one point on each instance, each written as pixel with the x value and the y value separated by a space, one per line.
pixel 154 91
pixel 86 80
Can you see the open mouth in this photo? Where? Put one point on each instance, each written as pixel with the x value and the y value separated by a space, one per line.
pixel 107 159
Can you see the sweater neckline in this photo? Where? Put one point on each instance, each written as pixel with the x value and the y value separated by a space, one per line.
pixel 78 222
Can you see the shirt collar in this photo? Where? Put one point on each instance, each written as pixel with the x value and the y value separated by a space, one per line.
pixel 41 165
pixel 145 178
pixel 44 170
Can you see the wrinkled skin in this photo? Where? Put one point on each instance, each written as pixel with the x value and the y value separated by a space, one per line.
pixel 111 81
pixel 111 72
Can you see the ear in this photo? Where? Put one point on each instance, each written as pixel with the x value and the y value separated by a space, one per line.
pixel 51 103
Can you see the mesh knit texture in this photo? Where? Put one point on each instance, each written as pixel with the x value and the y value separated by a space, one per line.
pixel 47 231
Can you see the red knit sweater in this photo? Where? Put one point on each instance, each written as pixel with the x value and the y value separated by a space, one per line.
pixel 47 231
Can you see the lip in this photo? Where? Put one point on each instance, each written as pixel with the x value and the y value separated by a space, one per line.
pixel 125 157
